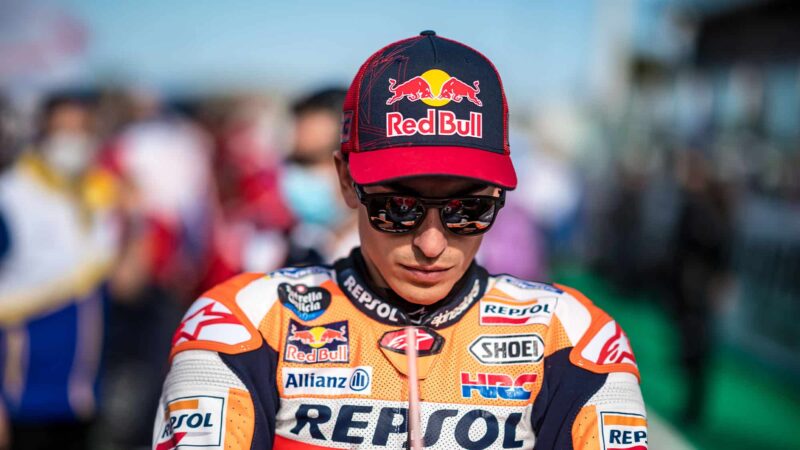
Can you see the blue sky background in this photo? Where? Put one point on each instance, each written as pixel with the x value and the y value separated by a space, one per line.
pixel 541 48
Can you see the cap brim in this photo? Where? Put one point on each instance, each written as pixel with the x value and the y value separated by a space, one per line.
pixel 378 166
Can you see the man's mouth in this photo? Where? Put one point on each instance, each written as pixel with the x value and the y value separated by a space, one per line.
pixel 429 274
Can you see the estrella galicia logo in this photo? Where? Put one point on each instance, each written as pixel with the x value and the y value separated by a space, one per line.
pixel 307 303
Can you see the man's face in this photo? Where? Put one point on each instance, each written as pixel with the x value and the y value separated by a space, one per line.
pixel 423 265
pixel 316 137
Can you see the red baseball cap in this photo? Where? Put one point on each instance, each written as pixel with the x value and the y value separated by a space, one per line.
pixel 427 106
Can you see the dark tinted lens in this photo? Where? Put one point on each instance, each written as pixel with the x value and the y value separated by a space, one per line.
pixel 469 215
pixel 395 213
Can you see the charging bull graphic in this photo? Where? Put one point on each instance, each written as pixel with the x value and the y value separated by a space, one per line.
pixel 326 343
pixel 415 89
pixel 456 90
pixel 434 87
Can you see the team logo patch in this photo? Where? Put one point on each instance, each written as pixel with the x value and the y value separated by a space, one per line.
pixel 609 346
pixel 307 303
pixel 508 349
pixel 530 285
pixel 296 273
pixel 428 341
pixel 210 320
pixel 369 304
pixel 326 343
pixel 347 125
pixel 434 88
pixel 327 381
pixel 350 423
pixel 500 311
pixel 623 431
pixel 190 422
pixel 497 386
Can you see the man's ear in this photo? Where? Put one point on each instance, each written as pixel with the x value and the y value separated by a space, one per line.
pixel 345 181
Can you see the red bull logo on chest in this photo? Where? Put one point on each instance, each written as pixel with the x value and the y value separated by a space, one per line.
pixel 326 343
pixel 434 88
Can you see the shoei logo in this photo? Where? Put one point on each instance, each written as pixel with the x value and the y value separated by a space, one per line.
pixel 508 349
pixel 434 88
pixel 328 381
pixel 623 431
pixel 191 422
pixel 497 386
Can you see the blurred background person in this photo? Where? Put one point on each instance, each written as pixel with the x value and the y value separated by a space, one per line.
pixel 251 217
pixel 57 245
pixel 700 270
pixel 325 229
pixel 163 160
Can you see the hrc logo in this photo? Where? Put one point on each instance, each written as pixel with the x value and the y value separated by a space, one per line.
pixel 497 385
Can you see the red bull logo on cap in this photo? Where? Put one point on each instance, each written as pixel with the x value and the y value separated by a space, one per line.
pixel 328 343
pixel 434 88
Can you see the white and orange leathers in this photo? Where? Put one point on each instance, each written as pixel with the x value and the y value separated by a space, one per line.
pixel 312 358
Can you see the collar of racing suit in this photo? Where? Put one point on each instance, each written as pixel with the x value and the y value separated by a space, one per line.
pixel 385 306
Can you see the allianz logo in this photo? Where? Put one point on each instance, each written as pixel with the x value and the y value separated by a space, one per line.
pixel 331 381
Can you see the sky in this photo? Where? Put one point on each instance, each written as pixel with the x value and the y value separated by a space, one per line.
pixel 542 49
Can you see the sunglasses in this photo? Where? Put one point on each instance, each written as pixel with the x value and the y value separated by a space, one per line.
pixel 400 213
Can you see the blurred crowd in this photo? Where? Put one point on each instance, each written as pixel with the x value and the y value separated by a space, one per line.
pixel 119 207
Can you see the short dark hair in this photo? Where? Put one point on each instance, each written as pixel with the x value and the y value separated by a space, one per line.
pixel 328 99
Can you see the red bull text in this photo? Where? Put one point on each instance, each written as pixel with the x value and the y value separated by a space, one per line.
pixel 442 123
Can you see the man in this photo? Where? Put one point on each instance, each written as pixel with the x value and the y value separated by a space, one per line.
pixel 56 246
pixel 315 357
pixel 325 228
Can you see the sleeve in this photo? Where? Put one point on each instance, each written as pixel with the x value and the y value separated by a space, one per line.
pixel 221 391
pixel 590 398
pixel 5 238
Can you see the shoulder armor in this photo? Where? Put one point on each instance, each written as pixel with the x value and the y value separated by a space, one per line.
pixel 600 345
pixel 216 322
pixel 513 301
pixel 227 317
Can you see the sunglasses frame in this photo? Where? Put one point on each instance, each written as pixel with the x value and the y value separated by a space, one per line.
pixel 430 202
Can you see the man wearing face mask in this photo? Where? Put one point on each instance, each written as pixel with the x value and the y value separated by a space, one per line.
pixel 59 247
pixel 406 342
pixel 326 229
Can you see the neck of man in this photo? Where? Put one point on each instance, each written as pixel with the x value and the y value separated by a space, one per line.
pixel 377 284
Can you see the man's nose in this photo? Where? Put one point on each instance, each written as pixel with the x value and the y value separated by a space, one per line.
pixel 430 236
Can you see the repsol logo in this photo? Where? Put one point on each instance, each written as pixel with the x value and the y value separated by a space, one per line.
pixel 374 426
pixel 194 421
pixel 504 312
pixel 372 304
pixel 190 421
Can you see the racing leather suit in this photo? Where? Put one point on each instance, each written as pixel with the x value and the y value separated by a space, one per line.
pixel 313 358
